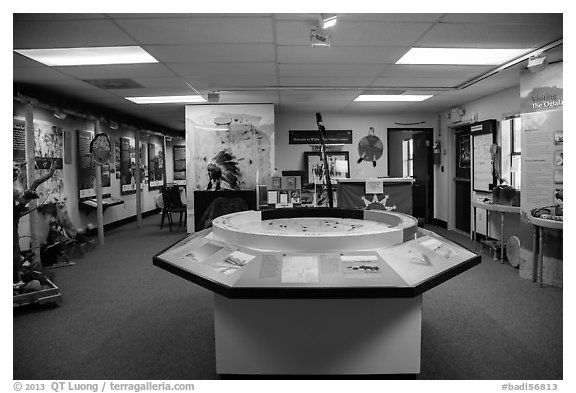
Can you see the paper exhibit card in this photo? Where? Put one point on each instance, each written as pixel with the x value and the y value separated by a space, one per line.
pixel 439 248
pixel 299 269
pixel 233 262
pixel 202 253
pixel 360 265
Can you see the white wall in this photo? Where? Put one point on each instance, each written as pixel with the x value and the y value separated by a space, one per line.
pixel 81 217
pixel 494 106
pixel 291 157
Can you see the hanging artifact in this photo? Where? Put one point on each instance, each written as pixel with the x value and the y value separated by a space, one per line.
pixel 370 148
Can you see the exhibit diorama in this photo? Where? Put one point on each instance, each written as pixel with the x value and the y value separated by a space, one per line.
pixel 237 196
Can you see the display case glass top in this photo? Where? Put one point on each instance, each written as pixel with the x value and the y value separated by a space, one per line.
pixel 381 255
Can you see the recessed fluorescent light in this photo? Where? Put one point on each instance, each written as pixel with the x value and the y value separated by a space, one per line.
pixel 460 56
pixel 167 99
pixel 328 20
pixel 392 98
pixel 89 56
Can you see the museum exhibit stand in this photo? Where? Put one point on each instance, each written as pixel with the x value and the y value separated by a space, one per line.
pixel 317 291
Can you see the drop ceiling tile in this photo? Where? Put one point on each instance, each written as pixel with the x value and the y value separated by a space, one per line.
pixel 228 69
pixel 184 15
pixel 391 17
pixel 19 60
pixel 69 85
pixel 174 82
pixel 245 81
pixel 441 71
pixel 200 53
pixel 505 18
pixel 330 70
pixel 340 54
pixel 199 30
pixel 56 16
pixel 465 35
pixel 116 71
pixel 68 34
pixel 24 74
pixel 418 82
pixel 353 33
pixel 158 91
pixel 325 81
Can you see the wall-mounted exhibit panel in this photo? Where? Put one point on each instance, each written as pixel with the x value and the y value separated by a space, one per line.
pixel 297 266
pixel 155 166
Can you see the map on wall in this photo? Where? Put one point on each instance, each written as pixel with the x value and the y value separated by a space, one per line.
pixel 245 133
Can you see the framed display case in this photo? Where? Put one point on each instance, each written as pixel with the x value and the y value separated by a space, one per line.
pixel 338 162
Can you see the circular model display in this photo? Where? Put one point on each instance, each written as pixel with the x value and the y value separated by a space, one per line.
pixel 101 149
pixel 314 230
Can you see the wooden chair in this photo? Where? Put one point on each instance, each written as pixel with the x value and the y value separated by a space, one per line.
pixel 172 204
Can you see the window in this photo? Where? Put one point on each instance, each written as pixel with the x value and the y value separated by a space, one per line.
pixel 407 158
pixel 511 151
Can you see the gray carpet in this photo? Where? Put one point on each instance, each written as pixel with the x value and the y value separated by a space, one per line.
pixel 123 318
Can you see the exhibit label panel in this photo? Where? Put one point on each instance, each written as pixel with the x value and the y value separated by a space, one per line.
pixel 541 96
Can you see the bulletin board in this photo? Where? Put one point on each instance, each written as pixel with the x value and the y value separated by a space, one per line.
pixel 483 174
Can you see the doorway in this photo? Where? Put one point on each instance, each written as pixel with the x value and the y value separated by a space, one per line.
pixel 410 155
pixel 462 183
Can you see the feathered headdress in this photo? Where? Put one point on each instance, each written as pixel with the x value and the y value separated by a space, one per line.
pixel 228 167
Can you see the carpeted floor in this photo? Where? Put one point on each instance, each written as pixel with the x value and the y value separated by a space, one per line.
pixel 123 318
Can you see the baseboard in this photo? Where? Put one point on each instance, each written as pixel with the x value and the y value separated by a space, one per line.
pixel 123 221
pixel 440 223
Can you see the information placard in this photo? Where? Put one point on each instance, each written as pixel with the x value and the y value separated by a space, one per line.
pixel 483 177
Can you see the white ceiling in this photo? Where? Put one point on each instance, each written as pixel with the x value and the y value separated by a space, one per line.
pixel 268 58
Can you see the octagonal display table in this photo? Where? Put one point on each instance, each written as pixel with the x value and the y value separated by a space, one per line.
pixel 317 291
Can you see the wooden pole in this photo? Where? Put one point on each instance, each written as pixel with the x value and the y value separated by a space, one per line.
pixel 98 190
pixel 30 177
pixel 138 181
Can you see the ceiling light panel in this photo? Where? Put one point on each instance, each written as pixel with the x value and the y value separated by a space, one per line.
pixel 89 56
pixel 460 56
pixel 188 99
pixel 391 98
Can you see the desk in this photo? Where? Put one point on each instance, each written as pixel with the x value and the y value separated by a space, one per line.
pixel 503 209
pixel 538 244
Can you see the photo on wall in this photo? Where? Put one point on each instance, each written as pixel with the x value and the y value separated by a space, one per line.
pixel 338 162
pixel 48 147
pixel 558 137
pixel 558 158
pixel 233 139
pixel 558 176
pixel 155 166
pixel 179 155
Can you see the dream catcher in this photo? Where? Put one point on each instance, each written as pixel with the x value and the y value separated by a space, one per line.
pixel 370 148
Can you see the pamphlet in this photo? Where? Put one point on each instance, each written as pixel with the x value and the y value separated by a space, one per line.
pixel 233 262
pixel 299 269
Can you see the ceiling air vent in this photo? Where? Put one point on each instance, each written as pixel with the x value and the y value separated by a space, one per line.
pixel 111 84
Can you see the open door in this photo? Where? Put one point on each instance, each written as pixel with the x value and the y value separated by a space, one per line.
pixel 410 155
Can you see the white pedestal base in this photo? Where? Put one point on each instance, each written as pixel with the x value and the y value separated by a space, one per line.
pixel 317 336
